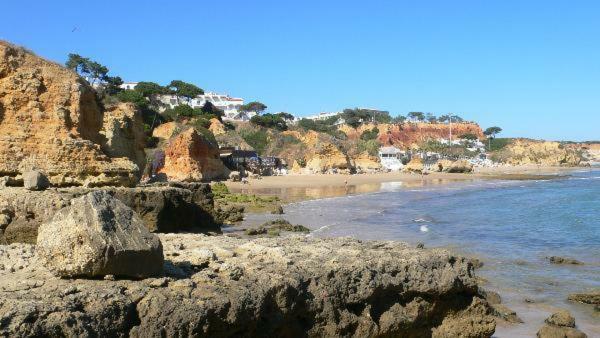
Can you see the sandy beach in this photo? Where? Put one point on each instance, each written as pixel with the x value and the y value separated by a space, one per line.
pixel 296 187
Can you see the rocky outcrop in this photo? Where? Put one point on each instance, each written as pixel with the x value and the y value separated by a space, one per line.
pixel 415 165
pixel 366 163
pixel 459 166
pixel 560 325
pixel 123 133
pixel 35 180
pixel 51 121
pixel 216 127
pixel 166 130
pixel 98 235
pixel 319 154
pixel 162 207
pixel 545 153
pixel 224 287
pixel 592 297
pixel 563 260
pixel 190 157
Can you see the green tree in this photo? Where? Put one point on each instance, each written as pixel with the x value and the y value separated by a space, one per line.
pixel 491 133
pixel 211 111
pixel 181 111
pixel 286 116
pixel 134 97
pixel 368 135
pixel 148 89
pixel 183 89
pixel 253 106
pixel 399 119
pixel 469 136
pixel 431 118
pixel 415 115
pixel 271 121
pixel 113 85
pixel 355 117
pixel 77 63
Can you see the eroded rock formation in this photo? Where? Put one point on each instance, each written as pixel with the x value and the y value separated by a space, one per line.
pixel 190 157
pixel 163 208
pixel 51 121
pixel 546 153
pixel 223 287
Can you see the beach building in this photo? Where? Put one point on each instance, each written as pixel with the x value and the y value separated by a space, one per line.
pixel 324 116
pixel 128 85
pixel 390 158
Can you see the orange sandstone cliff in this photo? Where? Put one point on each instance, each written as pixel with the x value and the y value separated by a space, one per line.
pixel 51 120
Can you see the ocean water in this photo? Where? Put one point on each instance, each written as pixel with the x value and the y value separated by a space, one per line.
pixel 513 226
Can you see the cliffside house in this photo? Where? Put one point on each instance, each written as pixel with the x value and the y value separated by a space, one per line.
pixel 390 158
pixel 229 105
pixel 324 116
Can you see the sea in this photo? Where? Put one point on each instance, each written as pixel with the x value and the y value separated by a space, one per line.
pixel 512 226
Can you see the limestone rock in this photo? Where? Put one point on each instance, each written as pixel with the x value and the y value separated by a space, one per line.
pixel 561 318
pixel 35 180
pixel 162 207
pixel 415 165
pixel 411 135
pixel 166 130
pixel 216 127
pixel 564 260
pixel 592 297
pixel 366 163
pixel 190 157
pixel 533 152
pixel 52 121
pixel 560 325
pixel 219 286
pixel 98 235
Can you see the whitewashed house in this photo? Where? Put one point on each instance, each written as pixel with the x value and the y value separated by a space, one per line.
pixel 390 158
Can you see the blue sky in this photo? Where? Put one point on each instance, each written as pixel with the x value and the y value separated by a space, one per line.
pixel 530 67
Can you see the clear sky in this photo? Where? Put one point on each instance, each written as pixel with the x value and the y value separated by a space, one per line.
pixel 530 67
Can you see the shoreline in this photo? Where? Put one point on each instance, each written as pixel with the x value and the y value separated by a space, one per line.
pixel 295 187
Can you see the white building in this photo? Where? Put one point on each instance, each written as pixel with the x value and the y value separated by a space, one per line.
pixel 390 158
pixel 128 85
pixel 229 105
pixel 324 116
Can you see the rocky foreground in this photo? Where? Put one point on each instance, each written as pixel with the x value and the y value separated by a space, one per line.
pixel 224 286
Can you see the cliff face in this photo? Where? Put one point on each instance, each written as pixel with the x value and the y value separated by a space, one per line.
pixel 410 135
pixel 319 153
pixel 533 152
pixel 50 120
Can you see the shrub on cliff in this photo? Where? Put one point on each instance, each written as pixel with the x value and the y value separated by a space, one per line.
pixel 271 121
pixel 368 135
pixel 257 139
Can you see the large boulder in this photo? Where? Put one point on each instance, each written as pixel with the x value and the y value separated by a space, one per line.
pixel 98 235
pixel 51 120
pixel 35 180
pixel 191 157
pixel 560 324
